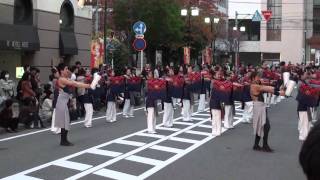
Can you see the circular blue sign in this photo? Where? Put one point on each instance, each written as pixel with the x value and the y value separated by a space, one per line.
pixel 139 28
pixel 139 44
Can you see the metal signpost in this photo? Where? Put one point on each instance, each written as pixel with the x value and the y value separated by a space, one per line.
pixel 139 44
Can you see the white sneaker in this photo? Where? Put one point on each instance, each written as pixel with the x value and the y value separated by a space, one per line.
pixel 214 134
pixel 151 132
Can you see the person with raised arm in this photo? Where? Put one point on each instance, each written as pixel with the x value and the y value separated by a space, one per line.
pixel 62 116
pixel 261 123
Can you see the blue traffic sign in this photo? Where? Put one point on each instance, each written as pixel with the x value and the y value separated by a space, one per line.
pixel 257 17
pixel 139 28
pixel 139 44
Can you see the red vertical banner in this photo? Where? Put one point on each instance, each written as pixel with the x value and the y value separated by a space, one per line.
pixel 186 56
pixel 207 56
pixel 97 53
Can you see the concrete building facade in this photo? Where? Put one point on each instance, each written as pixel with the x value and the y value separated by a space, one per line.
pixel 282 38
pixel 43 33
pixel 312 26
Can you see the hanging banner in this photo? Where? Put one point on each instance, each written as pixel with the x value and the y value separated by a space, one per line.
pixel 96 53
pixel 267 15
pixel 207 56
pixel 186 56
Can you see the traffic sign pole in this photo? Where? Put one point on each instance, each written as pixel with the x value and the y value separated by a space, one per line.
pixel 139 44
pixel 141 60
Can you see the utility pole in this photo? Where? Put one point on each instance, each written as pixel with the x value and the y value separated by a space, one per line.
pixel 237 41
pixel 305 31
pixel 105 31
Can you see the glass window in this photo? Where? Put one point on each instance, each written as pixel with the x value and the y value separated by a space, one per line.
pixel 271 56
pixel 316 2
pixel 316 18
pixel 274 25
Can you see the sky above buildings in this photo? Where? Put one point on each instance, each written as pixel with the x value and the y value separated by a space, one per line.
pixel 243 7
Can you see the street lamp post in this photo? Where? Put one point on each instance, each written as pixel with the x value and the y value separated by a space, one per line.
pixel 191 11
pixel 194 12
pixel 242 29
pixel 212 22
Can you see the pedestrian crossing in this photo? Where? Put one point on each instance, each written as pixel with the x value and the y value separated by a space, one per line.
pixel 148 153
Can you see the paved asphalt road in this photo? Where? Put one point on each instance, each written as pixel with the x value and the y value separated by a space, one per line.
pixel 122 150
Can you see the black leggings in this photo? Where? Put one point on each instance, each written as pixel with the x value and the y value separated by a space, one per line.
pixel 266 130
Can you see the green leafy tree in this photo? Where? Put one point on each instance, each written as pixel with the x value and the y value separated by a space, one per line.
pixel 166 29
pixel 164 24
pixel 120 54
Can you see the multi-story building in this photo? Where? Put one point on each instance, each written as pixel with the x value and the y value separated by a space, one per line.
pixel 282 38
pixel 312 26
pixel 221 44
pixel 43 33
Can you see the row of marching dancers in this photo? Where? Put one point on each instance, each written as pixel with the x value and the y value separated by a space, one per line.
pixel 253 89
pixel 256 88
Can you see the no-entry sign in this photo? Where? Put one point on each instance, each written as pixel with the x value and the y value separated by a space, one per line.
pixel 139 44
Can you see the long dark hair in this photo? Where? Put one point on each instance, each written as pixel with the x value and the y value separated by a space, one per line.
pixel 254 74
pixel 61 67
pixel 25 76
pixel 3 74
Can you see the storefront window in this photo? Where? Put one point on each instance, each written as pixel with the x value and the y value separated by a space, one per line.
pixel 316 17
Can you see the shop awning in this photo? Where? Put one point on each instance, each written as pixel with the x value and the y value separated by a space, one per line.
pixel 68 43
pixel 314 42
pixel 19 37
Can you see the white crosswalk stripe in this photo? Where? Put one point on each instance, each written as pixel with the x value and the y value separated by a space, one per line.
pixel 144 160
pixel 72 165
pixel 198 133
pixel 200 120
pixel 104 152
pixel 114 174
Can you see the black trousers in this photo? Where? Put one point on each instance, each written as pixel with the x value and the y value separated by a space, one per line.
pixel 11 123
